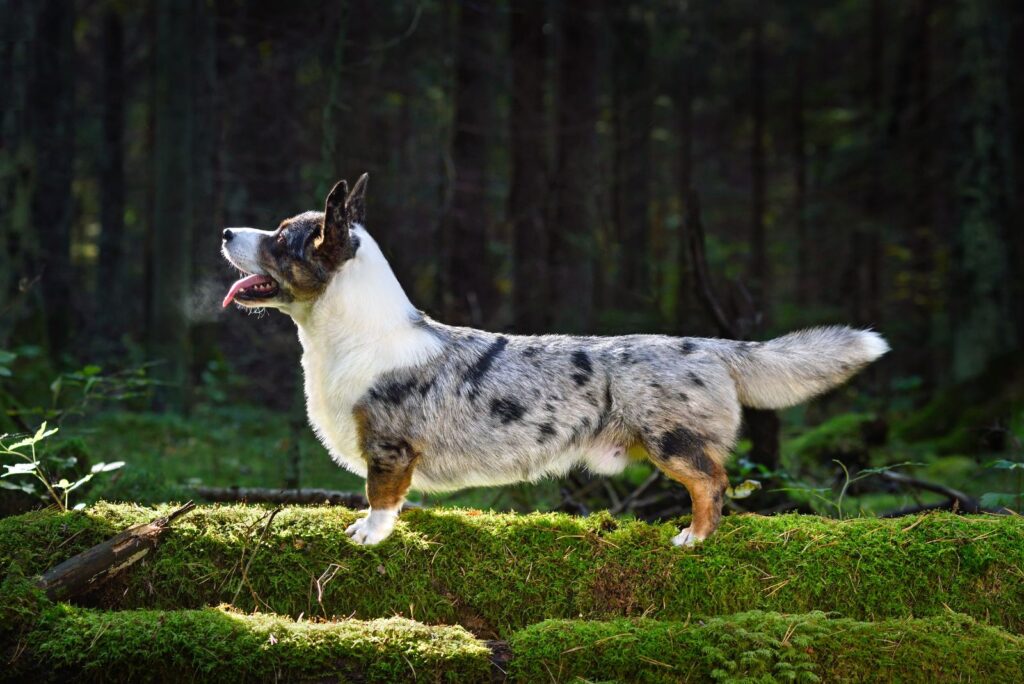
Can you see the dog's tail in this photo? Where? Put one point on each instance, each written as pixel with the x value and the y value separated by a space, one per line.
pixel 793 368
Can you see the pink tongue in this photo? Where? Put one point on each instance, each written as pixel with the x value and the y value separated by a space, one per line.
pixel 247 281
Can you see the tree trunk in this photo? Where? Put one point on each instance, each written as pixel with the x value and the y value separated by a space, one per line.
pixel 470 290
pixel 111 181
pixel 169 340
pixel 804 286
pixel 633 120
pixel 685 304
pixel 866 249
pixel 51 101
pixel 981 294
pixel 759 267
pixel 528 192
pixel 576 210
pixel 16 169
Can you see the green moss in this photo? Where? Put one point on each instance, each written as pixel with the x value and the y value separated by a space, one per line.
pixel 496 573
pixel 214 645
pixel 840 437
pixel 20 601
pixel 768 647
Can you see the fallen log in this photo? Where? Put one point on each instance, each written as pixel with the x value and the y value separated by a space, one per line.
pixel 500 572
pixel 286 497
pixel 95 566
pixel 355 500
pixel 219 645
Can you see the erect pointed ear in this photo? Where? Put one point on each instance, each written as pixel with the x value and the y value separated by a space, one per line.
pixel 335 228
pixel 355 203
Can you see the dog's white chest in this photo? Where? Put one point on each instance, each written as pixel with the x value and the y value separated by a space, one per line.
pixel 331 394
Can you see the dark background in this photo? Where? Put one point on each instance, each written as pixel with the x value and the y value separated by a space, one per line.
pixel 695 168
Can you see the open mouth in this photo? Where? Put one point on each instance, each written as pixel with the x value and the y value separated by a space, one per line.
pixel 252 288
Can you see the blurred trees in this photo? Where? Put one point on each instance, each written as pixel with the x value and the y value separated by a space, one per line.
pixel 530 167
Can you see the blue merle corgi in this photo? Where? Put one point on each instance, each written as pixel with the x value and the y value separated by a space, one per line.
pixel 408 402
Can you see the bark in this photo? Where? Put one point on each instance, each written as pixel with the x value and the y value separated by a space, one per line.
pixel 470 283
pixel 528 192
pixel 111 179
pixel 51 102
pixel 684 123
pixel 759 267
pixel 576 185
pixel 633 121
pixel 804 286
pixel 866 249
pixel 94 567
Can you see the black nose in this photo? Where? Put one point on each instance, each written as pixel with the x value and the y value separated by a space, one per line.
pixel 227 235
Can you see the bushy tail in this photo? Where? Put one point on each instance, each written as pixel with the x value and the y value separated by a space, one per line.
pixel 793 368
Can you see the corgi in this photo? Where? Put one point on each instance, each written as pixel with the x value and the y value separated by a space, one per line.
pixel 408 402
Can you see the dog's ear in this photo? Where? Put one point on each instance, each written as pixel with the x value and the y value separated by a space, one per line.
pixel 355 203
pixel 334 231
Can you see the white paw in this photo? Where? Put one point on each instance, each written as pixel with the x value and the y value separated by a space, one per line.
pixel 374 528
pixel 686 538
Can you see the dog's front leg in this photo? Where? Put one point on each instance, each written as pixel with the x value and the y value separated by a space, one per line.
pixel 388 476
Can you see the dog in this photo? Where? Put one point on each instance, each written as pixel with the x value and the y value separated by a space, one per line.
pixel 407 402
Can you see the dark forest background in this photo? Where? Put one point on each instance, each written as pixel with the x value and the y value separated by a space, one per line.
pixel 693 168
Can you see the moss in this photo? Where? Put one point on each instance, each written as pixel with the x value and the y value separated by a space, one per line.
pixel 768 647
pixel 497 573
pixel 215 644
pixel 21 602
pixel 844 437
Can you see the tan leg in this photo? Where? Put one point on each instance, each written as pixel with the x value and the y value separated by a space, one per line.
pixel 705 479
pixel 388 477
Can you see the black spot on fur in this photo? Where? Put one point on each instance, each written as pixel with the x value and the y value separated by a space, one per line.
pixel 507 410
pixel 550 408
pixel 685 444
pixel 475 375
pixel 393 392
pixel 531 351
pixel 696 380
pixel 584 369
pixel 682 396
pixel 688 347
pixel 606 409
pixel 546 432
pixel 427 386
pixel 656 385
pixel 679 442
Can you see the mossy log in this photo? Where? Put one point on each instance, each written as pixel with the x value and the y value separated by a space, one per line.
pixel 64 642
pixel 768 647
pixel 496 573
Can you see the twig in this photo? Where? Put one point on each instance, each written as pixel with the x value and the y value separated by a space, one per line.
pixel 245 568
pixel 631 497
pixel 967 503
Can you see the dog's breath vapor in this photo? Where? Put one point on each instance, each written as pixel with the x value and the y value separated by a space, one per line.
pixel 408 402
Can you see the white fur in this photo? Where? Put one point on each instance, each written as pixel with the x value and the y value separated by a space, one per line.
pixel 243 249
pixel 375 527
pixel 362 326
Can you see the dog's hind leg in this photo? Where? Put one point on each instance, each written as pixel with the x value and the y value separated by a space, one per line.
pixel 691 461
pixel 388 477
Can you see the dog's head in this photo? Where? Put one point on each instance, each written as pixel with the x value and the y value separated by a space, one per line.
pixel 295 262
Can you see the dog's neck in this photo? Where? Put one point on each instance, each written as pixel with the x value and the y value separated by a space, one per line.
pixel 364 307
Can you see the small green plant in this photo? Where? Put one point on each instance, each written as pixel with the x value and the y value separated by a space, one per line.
pixel 30 464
